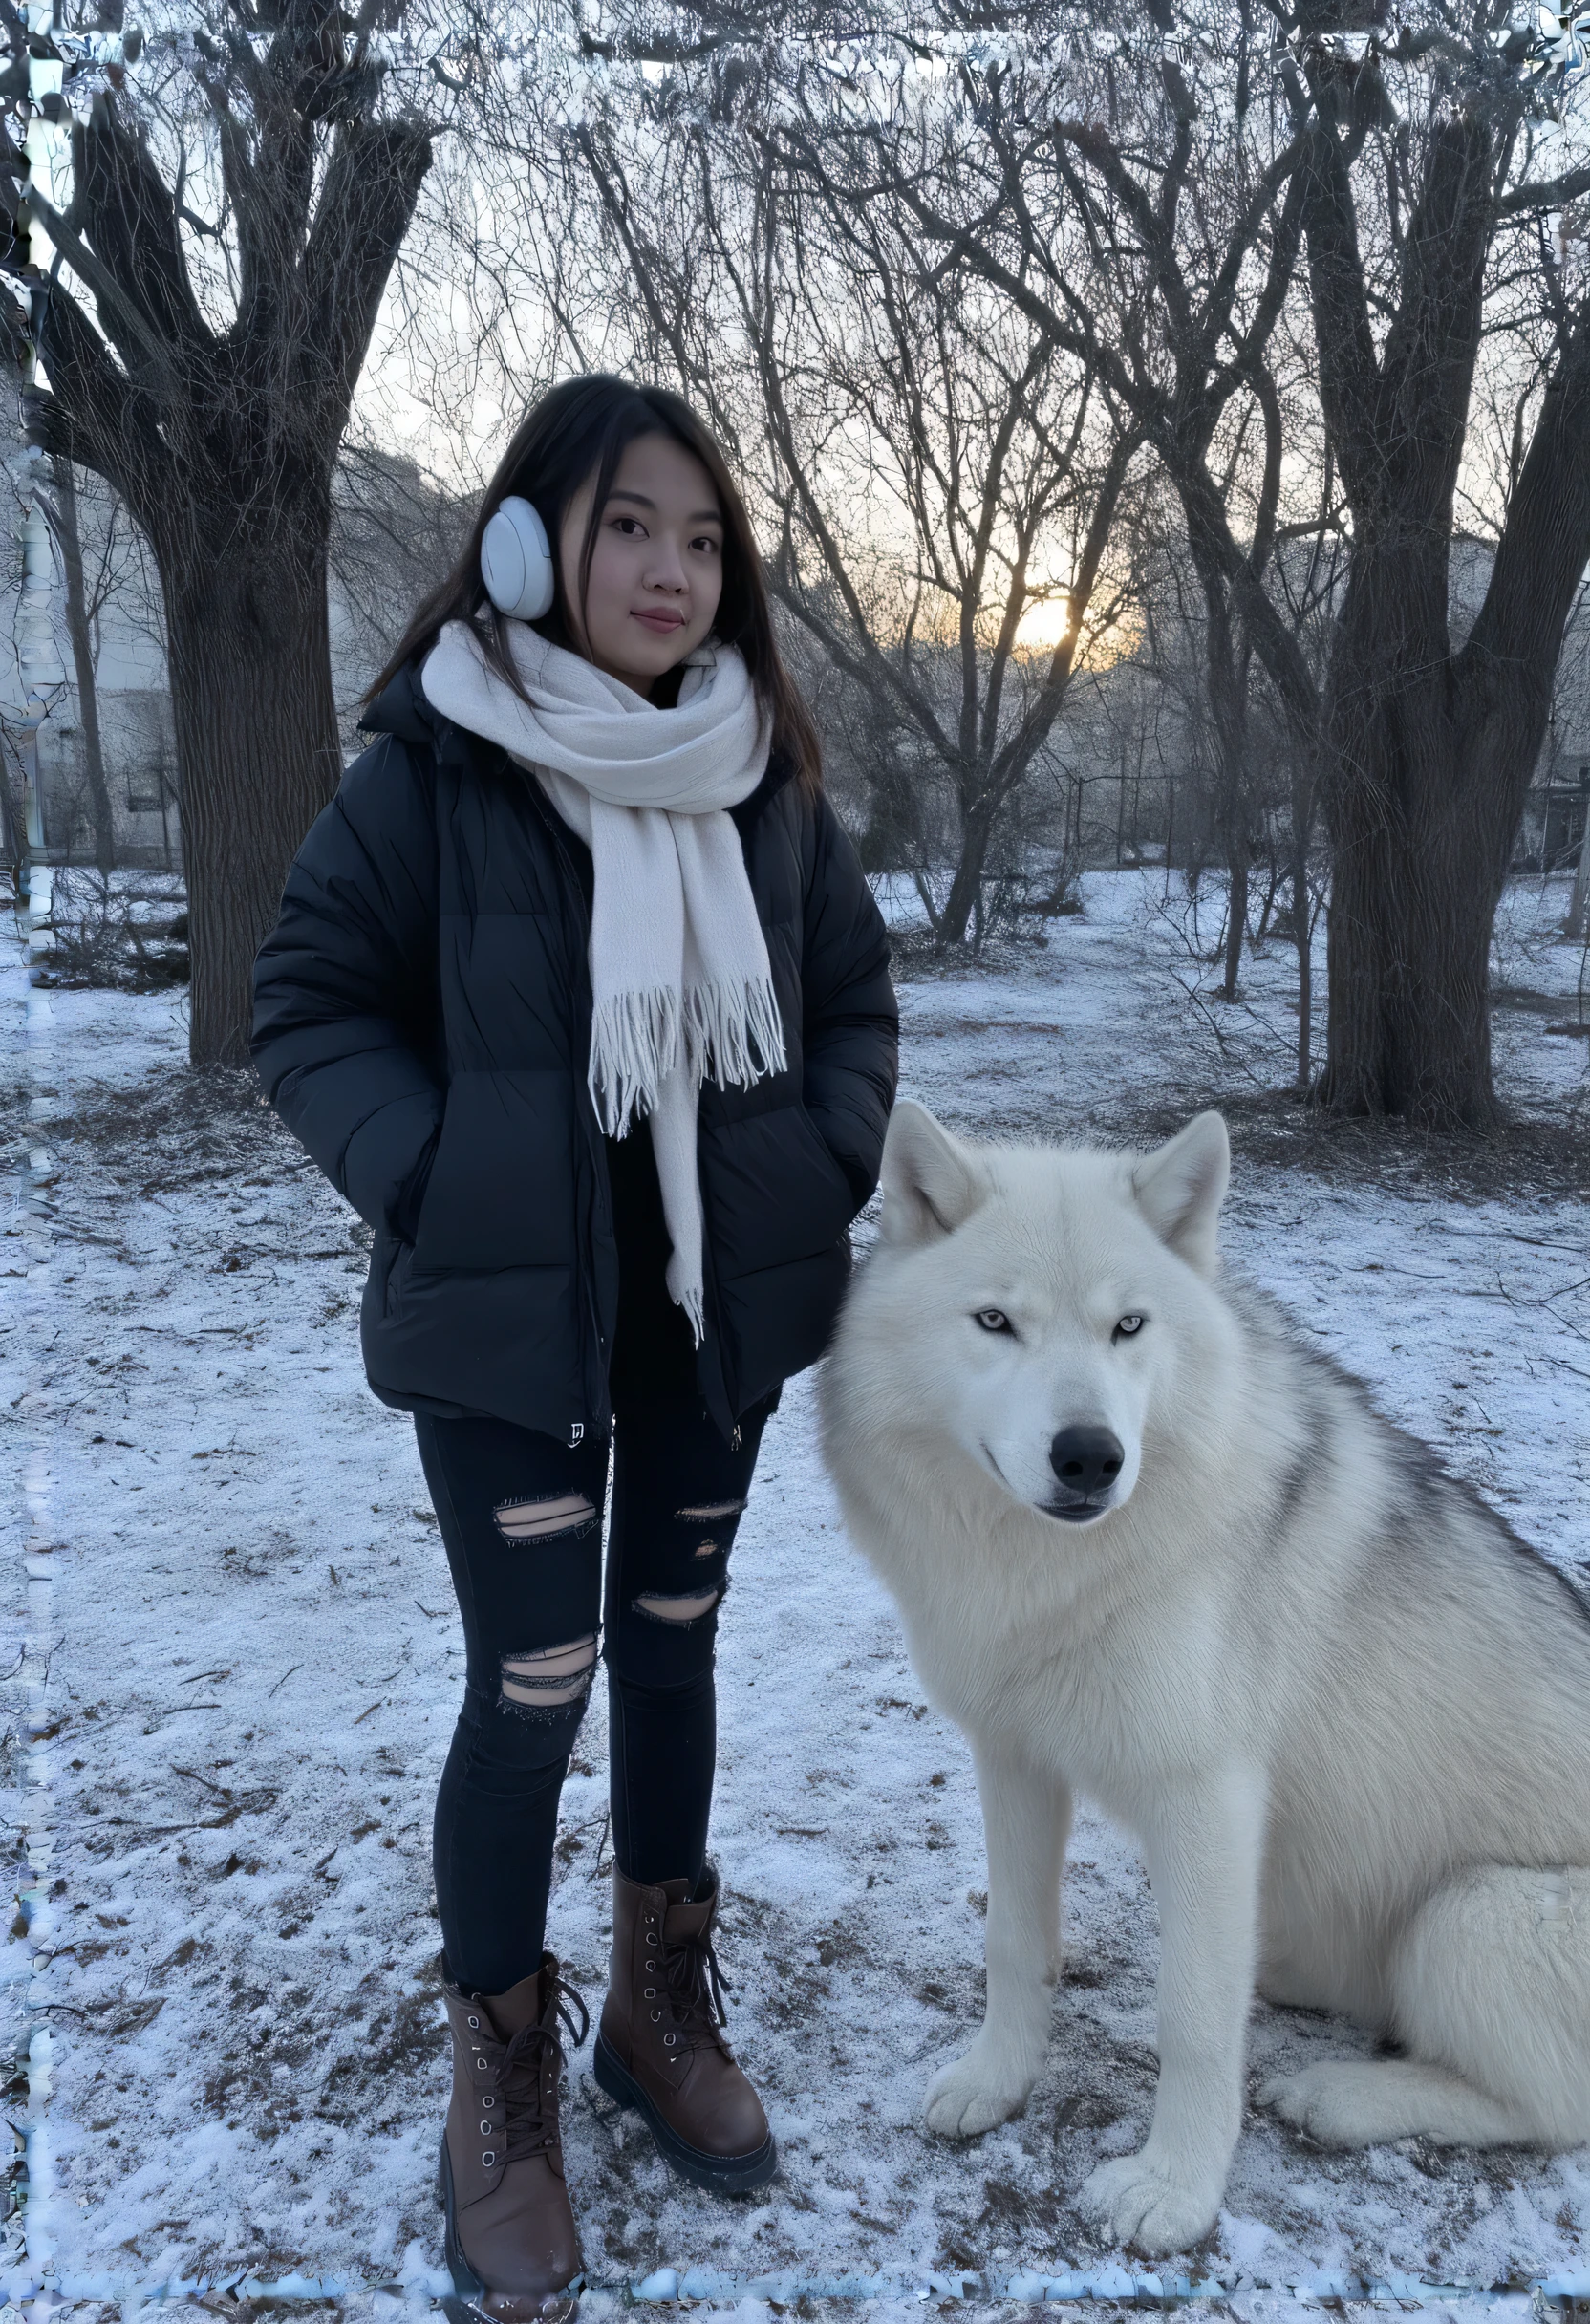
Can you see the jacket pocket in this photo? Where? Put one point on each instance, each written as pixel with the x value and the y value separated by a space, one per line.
pixel 398 1277
pixel 774 1192
pixel 389 1262
pixel 500 1192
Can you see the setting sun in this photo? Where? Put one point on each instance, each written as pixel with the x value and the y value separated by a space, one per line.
pixel 1043 626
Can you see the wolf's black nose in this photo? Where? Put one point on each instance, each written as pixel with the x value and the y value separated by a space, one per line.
pixel 1087 1461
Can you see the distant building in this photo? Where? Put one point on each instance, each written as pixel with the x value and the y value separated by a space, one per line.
pixel 395 534
pixel 1556 815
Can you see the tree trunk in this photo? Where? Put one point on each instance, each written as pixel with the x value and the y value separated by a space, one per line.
pixel 1577 922
pixel 69 541
pixel 1226 686
pixel 1236 918
pixel 1424 791
pixel 1428 768
pixel 1429 765
pixel 257 755
pixel 13 844
pixel 1428 754
pixel 977 830
pixel 1410 917
pixel 1302 825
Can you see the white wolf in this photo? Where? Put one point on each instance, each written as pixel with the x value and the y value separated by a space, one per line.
pixel 1146 1543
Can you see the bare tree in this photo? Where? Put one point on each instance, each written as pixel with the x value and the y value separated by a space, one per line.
pixel 236 206
pixel 1143 210
pixel 932 472
pixel 1576 927
pixel 1430 746
pixel 1415 212
pixel 1007 469
pixel 85 598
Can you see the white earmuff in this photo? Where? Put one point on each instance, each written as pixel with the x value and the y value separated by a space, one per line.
pixel 516 561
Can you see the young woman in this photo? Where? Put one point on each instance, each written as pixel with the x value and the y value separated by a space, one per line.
pixel 580 998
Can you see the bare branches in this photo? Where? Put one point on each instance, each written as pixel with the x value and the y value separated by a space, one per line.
pixel 1540 559
pixel 1545 193
pixel 1349 363
pixel 94 413
pixel 130 330
pixel 372 184
pixel 179 406
pixel 1047 702
pixel 1427 364
pixel 123 207
pixel 937 466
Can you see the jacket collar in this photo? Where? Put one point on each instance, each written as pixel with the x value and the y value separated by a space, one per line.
pixel 780 771
pixel 402 709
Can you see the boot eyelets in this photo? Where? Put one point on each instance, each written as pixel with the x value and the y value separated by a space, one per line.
pixel 488 2160
pixel 650 1994
pixel 489 2102
pixel 669 2039
pixel 474 2025
pixel 656 2015
pixel 485 2130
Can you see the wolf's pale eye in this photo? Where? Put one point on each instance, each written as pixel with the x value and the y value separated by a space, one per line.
pixel 1128 1324
pixel 993 1319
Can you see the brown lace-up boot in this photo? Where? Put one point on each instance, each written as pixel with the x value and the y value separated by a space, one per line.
pixel 512 2248
pixel 660 2048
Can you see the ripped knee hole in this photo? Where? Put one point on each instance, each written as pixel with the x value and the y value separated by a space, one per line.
pixel 678 1607
pixel 548 1678
pixel 707 1512
pixel 541 1519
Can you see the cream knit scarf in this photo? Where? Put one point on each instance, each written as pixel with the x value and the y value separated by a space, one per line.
pixel 679 978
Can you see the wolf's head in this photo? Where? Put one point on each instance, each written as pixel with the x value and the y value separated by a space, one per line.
pixel 1048 1309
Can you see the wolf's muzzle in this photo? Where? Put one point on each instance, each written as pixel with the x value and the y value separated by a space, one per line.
pixel 1087 1463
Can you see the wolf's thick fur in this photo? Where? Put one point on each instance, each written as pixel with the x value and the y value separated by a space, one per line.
pixel 1345 1710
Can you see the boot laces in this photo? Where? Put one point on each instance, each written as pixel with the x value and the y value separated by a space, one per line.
pixel 526 2078
pixel 696 1987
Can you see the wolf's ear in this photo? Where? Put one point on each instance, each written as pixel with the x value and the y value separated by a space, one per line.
pixel 930 1183
pixel 1180 1188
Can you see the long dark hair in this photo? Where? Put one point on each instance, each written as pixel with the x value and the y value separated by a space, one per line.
pixel 577 433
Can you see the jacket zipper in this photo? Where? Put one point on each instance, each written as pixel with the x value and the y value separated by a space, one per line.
pixel 582 1096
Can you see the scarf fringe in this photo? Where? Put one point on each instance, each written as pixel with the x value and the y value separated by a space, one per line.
pixel 732 1033
pixel 635 1044
pixel 690 1296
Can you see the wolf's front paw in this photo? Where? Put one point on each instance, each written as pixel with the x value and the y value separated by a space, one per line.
pixel 1140 2205
pixel 975 2092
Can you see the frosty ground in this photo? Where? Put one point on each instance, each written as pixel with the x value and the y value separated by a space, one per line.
pixel 259 1663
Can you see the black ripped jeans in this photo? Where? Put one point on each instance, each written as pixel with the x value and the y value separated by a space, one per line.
pixel 521 1515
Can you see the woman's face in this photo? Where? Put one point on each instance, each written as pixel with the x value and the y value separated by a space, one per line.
pixel 656 571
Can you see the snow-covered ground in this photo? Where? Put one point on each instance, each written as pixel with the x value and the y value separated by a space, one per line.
pixel 256 1667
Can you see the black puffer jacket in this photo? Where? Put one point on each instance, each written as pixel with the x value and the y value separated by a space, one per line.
pixel 423 1017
